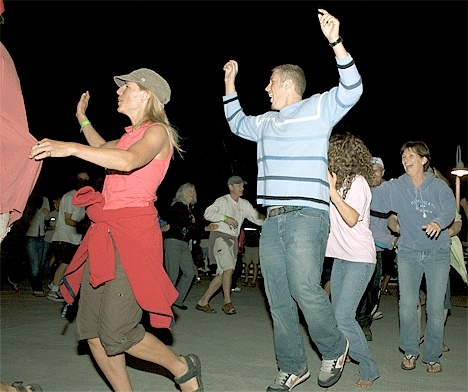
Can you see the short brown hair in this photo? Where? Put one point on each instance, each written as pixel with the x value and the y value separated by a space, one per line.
pixel 420 148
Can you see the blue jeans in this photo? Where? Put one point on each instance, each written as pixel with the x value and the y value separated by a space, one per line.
pixel 35 250
pixel 177 257
pixel 292 250
pixel 348 283
pixel 371 297
pixel 435 265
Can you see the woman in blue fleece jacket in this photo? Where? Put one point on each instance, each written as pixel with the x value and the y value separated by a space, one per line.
pixel 425 206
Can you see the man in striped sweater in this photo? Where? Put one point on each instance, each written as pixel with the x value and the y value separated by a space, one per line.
pixel 292 148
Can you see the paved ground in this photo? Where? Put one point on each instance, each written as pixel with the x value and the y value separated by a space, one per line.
pixel 236 351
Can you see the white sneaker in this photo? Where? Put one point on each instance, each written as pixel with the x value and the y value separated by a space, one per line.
pixel 287 381
pixel 331 369
pixel 236 289
pixel 53 287
pixel 55 296
pixel 377 316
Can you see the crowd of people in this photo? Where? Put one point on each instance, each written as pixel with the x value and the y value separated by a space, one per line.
pixel 325 199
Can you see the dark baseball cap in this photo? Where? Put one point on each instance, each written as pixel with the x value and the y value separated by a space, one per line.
pixel 236 180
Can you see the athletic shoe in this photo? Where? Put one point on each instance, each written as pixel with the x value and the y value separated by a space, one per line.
pixel 236 289
pixel 287 381
pixel 331 369
pixel 55 296
pixel 15 286
pixel 377 316
pixel 39 293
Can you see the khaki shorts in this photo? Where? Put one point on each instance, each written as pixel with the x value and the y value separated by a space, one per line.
pixel 224 255
pixel 110 312
pixel 251 255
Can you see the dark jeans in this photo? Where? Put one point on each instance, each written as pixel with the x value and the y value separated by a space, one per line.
pixel 35 250
pixel 371 296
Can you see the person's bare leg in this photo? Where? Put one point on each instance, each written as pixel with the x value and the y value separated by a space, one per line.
pixel 326 287
pixel 114 367
pixel 59 273
pixel 226 282
pixel 255 273
pixel 151 349
pixel 385 281
pixel 246 273
pixel 214 286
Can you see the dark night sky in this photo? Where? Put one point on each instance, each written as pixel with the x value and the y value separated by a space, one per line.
pixel 412 57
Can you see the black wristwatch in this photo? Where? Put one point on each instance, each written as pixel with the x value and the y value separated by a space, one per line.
pixel 332 44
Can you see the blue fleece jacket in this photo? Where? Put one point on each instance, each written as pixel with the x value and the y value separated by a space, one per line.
pixel 433 201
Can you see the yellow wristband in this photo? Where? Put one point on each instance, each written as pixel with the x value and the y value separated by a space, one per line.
pixel 225 218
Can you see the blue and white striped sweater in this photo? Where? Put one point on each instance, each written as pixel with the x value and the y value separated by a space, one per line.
pixel 292 144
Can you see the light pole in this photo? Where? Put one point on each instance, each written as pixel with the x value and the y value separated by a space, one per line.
pixel 459 171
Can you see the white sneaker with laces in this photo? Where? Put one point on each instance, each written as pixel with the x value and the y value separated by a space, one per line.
pixel 331 369
pixel 55 296
pixel 287 381
pixel 377 316
pixel 53 287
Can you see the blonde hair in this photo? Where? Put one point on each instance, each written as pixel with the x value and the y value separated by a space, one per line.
pixel 155 113
pixel 180 194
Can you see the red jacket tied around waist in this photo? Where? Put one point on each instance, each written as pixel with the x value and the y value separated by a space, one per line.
pixel 137 237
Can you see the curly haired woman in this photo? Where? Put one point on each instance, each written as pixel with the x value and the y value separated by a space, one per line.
pixel 350 243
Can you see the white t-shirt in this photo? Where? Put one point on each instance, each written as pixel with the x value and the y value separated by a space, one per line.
pixel 64 232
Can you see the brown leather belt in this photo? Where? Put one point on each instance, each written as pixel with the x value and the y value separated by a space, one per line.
pixel 283 210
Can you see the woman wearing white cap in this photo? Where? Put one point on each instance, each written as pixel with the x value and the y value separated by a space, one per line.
pixel 119 264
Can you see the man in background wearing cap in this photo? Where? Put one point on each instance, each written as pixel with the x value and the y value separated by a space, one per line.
pixel 384 243
pixel 229 212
